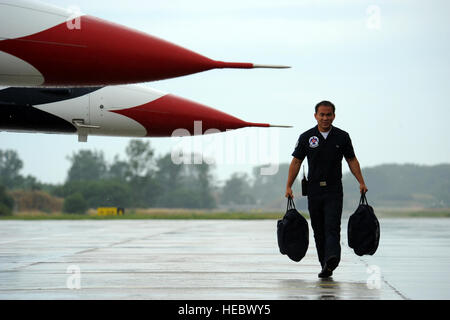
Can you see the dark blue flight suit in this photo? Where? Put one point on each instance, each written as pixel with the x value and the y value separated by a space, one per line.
pixel 325 192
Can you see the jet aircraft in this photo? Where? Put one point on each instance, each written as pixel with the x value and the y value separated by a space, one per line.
pixel 124 111
pixel 76 74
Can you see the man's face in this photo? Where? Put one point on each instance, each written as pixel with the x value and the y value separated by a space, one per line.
pixel 325 117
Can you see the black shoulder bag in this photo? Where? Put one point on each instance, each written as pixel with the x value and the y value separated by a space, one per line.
pixel 293 233
pixel 363 229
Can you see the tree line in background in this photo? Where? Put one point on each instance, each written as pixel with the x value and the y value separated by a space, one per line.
pixel 143 180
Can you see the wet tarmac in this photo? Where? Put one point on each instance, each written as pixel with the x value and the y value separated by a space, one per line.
pixel 211 260
pixel 414 257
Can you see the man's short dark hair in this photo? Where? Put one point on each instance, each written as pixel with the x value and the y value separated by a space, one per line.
pixel 325 104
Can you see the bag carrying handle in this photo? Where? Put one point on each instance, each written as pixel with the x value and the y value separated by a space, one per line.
pixel 363 199
pixel 290 204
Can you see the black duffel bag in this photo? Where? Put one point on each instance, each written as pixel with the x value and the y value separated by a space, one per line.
pixel 293 233
pixel 363 229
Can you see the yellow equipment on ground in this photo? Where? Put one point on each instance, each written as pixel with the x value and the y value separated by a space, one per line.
pixel 110 212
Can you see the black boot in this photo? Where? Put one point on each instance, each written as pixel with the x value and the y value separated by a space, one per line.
pixel 330 265
pixel 325 273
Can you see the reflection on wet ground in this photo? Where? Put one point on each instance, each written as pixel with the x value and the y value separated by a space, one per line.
pixel 204 260
pixel 328 289
pixel 323 289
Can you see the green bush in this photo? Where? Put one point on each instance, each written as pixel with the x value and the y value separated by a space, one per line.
pixel 102 193
pixel 75 203
pixel 4 210
pixel 6 202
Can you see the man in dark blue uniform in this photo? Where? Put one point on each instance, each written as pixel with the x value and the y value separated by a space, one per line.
pixel 325 146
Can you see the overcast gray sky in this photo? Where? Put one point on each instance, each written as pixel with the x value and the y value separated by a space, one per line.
pixel 383 63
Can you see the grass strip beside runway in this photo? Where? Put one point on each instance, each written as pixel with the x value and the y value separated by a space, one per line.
pixel 189 214
pixel 150 214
